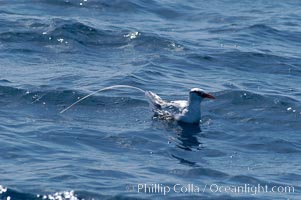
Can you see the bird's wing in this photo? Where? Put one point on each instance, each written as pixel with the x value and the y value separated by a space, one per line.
pixel 181 104
pixel 155 101
pixel 176 107
pixel 160 106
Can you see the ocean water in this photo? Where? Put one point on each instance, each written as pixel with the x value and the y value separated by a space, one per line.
pixel 246 53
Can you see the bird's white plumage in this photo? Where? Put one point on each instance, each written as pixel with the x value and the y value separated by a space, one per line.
pixel 185 111
pixel 196 90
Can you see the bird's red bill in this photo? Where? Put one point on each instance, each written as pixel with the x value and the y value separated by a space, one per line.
pixel 209 96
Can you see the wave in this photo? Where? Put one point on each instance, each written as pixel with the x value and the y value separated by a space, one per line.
pixel 7 193
pixel 262 27
pixel 235 96
pixel 73 36
pixel 266 34
pixel 263 30
pixel 258 108
pixel 65 32
pixel 102 5
pixel 12 95
pixel 274 146
pixel 256 62
pixel 4 81
pixel 150 7
pixel 258 112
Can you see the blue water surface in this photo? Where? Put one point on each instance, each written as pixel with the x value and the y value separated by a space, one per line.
pixel 53 52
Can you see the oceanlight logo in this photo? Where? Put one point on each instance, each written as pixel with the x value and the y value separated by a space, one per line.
pixel 212 188
pixel 250 189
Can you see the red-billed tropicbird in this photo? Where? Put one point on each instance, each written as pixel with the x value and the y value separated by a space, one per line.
pixel 181 110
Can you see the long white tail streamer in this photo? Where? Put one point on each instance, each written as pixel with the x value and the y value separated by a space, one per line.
pixel 100 90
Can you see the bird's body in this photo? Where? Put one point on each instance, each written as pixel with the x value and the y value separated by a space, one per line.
pixel 184 111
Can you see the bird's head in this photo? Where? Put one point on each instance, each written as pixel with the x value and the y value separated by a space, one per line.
pixel 199 94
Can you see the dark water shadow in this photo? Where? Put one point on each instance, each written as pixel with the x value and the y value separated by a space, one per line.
pixel 186 139
pixel 187 135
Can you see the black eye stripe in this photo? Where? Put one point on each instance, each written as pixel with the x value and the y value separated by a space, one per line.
pixel 197 92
